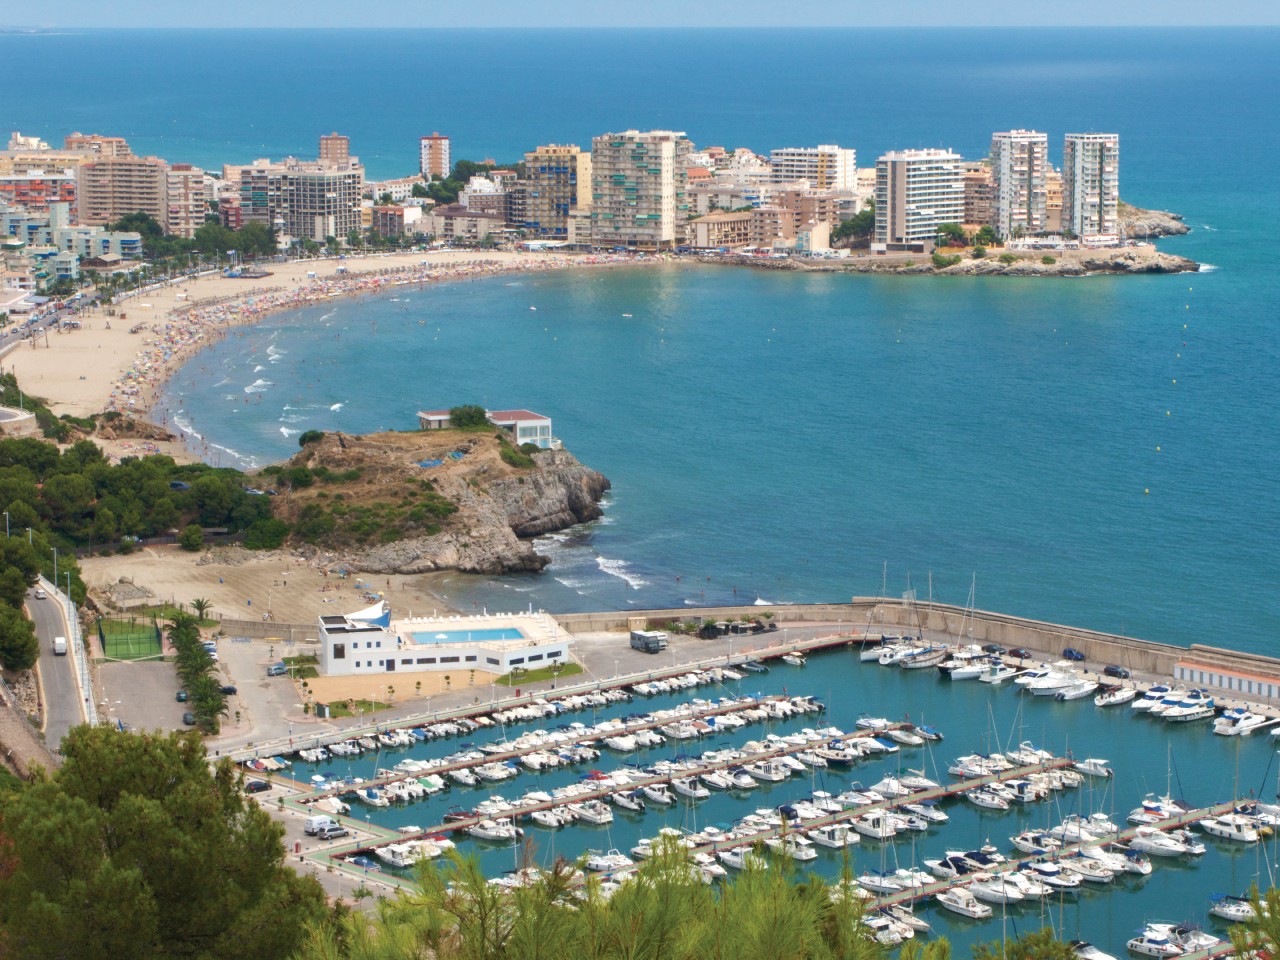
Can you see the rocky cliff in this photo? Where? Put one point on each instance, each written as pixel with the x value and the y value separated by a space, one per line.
pixel 1139 224
pixel 467 509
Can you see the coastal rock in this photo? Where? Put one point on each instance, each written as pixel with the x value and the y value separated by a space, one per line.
pixel 1139 224
pixel 499 504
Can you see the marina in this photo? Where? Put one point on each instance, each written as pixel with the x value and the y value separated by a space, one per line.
pixel 795 816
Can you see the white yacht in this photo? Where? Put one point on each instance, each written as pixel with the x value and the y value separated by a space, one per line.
pixel 1233 909
pixel 1086 869
pixel 1035 842
pixel 553 818
pixel 591 811
pixel 1170 700
pixel 1152 841
pixel 1238 722
pixel 1094 767
pixel 1153 941
pixel 883 929
pixel 1154 809
pixel 717 780
pixel 960 900
pixel 1052 875
pixel 997 673
pixel 499 831
pixel 1230 826
pixel 928 810
pixel 903 913
pixel 628 800
pixel 986 798
pixel 658 793
pixel 1114 696
pixel 995 888
pixel 834 835
pixel 1196 705
pixel 1077 690
pixel 1028 884
pixel 1051 683
pixel 598 862
pixel 743 858
pixel 1153 695
pixel 690 787
pixel 875 825
pixel 1087 951
pixel 794 845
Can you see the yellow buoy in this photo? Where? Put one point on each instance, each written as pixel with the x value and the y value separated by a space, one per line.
pixel 1175 379
pixel 1157 449
pixel 1146 491
pixel 1168 413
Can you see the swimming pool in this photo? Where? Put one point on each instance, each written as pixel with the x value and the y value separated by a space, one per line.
pixel 468 636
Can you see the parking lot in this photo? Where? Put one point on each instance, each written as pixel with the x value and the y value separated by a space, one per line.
pixel 140 694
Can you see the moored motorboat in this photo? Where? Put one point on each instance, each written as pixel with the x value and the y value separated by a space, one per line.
pixel 1230 826
pixel 1087 951
pixel 1232 909
pixel 1114 696
pixel 1238 722
pixel 960 900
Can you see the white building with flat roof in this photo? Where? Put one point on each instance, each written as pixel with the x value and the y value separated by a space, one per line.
pixel 525 426
pixel 369 642
pixel 1019 174
pixel 1091 184
pixel 916 191
pixel 825 167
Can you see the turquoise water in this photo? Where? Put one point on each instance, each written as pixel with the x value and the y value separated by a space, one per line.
pixel 1149 756
pixel 467 636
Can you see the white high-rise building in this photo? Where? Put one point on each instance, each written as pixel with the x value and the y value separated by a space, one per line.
pixel 1019 166
pixel 1091 184
pixel 638 189
pixel 826 167
pixel 916 191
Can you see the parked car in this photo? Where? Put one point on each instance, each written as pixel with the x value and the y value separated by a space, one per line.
pixel 1120 673
pixel 182 696
pixel 256 786
pixel 994 648
pixel 1071 653
pixel 1020 653
pixel 189 719
pixel 332 833
pixel 277 669
pixel 228 689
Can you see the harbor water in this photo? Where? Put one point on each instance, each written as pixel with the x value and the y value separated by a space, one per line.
pixel 1148 756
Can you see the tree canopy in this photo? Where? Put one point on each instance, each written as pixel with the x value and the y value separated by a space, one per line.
pixel 858 227
pixel 136 848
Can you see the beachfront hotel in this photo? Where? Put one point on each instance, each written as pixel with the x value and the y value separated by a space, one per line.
pixel 916 191
pixel 433 157
pixel 369 642
pixel 1019 167
pixel 638 198
pixel 1091 184
pixel 825 167
pixel 557 180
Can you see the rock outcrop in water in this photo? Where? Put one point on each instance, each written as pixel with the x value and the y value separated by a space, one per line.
pixel 469 512
pixel 1139 224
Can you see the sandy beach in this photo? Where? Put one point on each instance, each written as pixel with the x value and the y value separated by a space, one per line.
pixel 119 362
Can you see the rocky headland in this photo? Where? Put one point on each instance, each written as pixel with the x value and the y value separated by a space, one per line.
pixel 1038 263
pixel 471 508
pixel 1139 224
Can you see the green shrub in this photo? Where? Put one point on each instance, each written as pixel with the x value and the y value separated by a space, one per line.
pixel 191 538
pixel 266 534
pixel 942 261
pixel 469 417
pixel 1008 258
pixel 310 436
pixel 979 252
pixel 299 477
pixel 1047 260
pixel 530 448
pixel 513 457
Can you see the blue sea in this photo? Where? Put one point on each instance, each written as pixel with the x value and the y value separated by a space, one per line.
pixel 1098 451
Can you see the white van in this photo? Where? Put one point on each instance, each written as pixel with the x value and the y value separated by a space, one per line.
pixel 59 646
pixel 314 825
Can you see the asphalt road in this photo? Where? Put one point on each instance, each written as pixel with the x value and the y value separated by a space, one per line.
pixel 57 674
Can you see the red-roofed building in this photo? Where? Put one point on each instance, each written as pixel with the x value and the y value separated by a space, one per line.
pixel 698 175
pixel 525 426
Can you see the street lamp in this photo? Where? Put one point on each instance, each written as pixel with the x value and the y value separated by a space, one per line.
pixel 6 524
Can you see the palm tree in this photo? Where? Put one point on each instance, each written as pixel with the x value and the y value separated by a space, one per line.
pixel 201 606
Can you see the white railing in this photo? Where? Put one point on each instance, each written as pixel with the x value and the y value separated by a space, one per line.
pixel 88 709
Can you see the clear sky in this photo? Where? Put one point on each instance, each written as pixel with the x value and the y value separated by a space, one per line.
pixel 645 13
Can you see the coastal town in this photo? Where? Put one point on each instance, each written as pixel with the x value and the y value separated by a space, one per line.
pixel 348 691
pixel 64 211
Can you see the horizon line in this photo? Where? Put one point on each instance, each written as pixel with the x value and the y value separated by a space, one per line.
pixel 30 30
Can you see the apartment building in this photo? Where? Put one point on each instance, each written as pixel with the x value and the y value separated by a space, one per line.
pixel 37 189
pixel 187 204
pixel 724 229
pixel 916 191
pixel 111 186
pixel 979 194
pixel 302 199
pixel 1091 184
pixel 98 146
pixel 335 148
pixel 1053 202
pixel 638 197
pixel 1019 165
pixel 433 156
pixel 456 222
pixel 825 167
pixel 394 220
pixel 557 181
